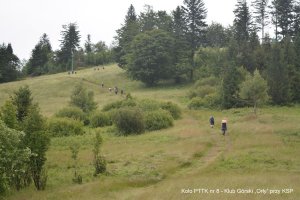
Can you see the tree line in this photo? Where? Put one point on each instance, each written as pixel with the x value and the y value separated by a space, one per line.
pixel 180 46
pixel 155 46
pixel 44 60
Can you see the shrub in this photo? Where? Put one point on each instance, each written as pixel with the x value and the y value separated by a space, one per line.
pixel 73 113
pixel 204 87
pixel 99 161
pixel 130 121
pixel 100 165
pixel 148 105
pixel 172 108
pixel 58 127
pixel 212 81
pixel 201 91
pixel 83 99
pixel 100 119
pixel 119 104
pixel 8 114
pixel 113 105
pixel 159 119
pixel 197 103
pixel 209 101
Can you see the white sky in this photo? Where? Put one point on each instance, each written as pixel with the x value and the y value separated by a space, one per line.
pixel 22 22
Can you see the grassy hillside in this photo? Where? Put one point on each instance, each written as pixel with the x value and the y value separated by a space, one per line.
pixel 258 153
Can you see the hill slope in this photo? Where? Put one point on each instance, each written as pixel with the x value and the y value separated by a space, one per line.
pixel 258 153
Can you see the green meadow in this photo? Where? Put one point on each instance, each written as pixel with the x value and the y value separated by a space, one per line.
pixel 259 152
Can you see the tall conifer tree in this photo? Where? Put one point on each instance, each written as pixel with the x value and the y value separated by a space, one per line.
pixel 195 14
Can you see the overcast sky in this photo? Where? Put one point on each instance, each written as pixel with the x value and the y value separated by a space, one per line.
pixel 22 22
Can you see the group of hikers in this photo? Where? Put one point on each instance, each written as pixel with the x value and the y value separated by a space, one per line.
pixel 223 124
pixel 115 89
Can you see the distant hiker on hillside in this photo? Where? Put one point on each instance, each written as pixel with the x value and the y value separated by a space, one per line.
pixel 116 90
pixel 224 126
pixel 109 89
pixel 102 84
pixel 212 121
pixel 122 92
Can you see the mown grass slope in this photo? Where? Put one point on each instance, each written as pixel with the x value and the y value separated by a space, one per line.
pixel 259 152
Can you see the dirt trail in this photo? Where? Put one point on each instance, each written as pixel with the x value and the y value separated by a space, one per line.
pixel 220 145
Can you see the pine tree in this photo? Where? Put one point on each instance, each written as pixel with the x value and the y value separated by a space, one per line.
pixel 215 35
pixel 148 19
pixel 296 25
pixel 164 21
pixel 40 56
pixel 230 87
pixel 125 36
pixel 296 79
pixel 69 43
pixel 261 15
pixel 278 79
pixel 195 14
pixel 9 63
pixel 282 12
pixel 88 44
pixel 181 46
pixel 242 22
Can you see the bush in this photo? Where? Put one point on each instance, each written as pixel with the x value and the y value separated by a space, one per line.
pixel 172 108
pixel 197 103
pixel 204 87
pixel 119 104
pixel 59 127
pixel 201 91
pixel 209 101
pixel 159 119
pixel 99 161
pixel 73 113
pixel 130 121
pixel 100 165
pixel 148 105
pixel 100 119
pixel 212 81
pixel 113 105
pixel 83 99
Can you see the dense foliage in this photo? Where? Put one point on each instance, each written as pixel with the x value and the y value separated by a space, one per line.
pixel 19 113
pixel 9 64
pixel 59 127
pixel 129 121
pixel 83 99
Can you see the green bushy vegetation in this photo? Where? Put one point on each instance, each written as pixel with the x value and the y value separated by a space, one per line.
pixel 100 119
pixel 158 115
pixel 120 104
pixel 99 160
pixel 205 94
pixel 130 121
pixel 172 108
pixel 73 113
pixel 148 104
pixel 59 127
pixel 83 99
pixel 158 119
pixel 14 158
